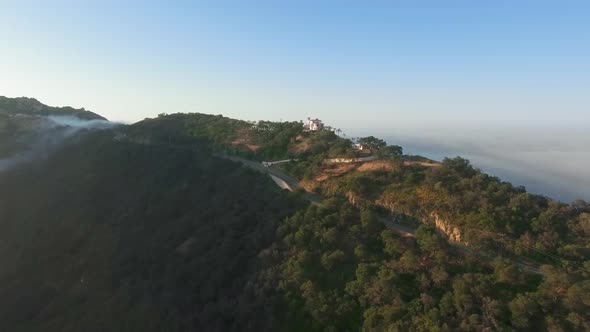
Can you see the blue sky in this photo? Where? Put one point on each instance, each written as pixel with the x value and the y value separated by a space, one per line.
pixel 356 64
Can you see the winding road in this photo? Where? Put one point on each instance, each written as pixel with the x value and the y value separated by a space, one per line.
pixel 280 178
pixel 293 185
pixel 287 182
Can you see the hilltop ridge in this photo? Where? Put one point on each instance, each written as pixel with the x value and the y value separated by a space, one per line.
pixel 460 200
pixel 31 106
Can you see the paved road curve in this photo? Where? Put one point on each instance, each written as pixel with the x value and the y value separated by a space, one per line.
pixel 313 198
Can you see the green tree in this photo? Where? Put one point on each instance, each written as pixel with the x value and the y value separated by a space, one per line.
pixel 372 142
pixel 389 152
pixel 522 308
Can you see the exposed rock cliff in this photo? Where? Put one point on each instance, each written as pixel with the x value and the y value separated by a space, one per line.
pixel 452 233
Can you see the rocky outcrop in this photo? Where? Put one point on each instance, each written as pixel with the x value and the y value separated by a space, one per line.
pixel 452 233
pixel 352 198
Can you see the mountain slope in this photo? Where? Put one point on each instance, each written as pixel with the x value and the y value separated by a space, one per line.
pixel 29 128
pixel 31 106
pixel 118 236
pixel 142 228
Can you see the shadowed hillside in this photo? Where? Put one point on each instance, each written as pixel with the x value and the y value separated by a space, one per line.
pixel 124 237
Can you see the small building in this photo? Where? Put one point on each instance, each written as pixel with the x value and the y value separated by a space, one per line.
pixel 313 124
pixel 361 147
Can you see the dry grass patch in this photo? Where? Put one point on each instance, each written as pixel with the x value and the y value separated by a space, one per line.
pixel 335 170
pixel 309 185
pixel 377 165
pixel 302 145
pixel 421 163
pixel 243 142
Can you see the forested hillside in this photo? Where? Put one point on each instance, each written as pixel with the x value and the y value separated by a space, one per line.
pixel 463 202
pixel 339 269
pixel 147 227
pixel 110 236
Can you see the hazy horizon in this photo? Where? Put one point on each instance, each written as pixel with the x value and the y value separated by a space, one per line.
pixel 375 65
pixel 546 160
pixel 462 67
pixel 553 164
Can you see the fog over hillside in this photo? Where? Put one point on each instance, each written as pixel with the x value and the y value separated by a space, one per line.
pixel 548 161
pixel 50 132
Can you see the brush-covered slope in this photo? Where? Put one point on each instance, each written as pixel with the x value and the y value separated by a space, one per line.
pixel 115 236
pixel 31 106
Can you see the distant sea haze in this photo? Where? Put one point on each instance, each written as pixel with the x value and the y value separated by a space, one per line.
pixel 554 162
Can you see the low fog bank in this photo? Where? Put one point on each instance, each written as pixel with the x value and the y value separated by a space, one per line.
pixel 51 132
pixel 554 162
pixel 77 124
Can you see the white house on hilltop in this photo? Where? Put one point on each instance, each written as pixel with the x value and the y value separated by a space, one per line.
pixel 360 146
pixel 313 124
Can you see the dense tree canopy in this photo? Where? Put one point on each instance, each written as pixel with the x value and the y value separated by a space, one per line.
pixel 126 237
pixel 341 270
